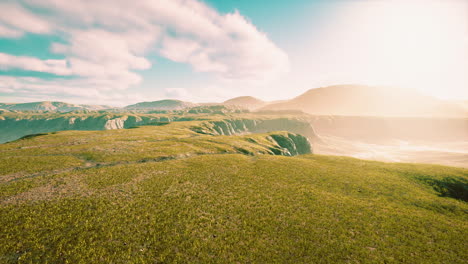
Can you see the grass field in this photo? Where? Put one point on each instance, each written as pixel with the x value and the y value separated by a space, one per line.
pixel 164 194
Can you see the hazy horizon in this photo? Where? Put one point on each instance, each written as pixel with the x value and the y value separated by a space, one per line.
pixel 117 53
pixel 97 165
pixel 458 102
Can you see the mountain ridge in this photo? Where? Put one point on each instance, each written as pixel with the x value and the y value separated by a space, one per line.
pixel 248 102
pixel 50 106
pixel 345 100
pixel 166 104
pixel 361 100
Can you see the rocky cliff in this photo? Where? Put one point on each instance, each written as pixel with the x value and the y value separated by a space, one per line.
pixel 290 144
pixel 12 128
pixel 240 126
pixel 296 142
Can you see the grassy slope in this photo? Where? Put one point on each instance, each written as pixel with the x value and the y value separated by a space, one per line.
pixel 167 194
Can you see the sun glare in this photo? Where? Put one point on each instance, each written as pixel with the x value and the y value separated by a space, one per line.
pixel 414 44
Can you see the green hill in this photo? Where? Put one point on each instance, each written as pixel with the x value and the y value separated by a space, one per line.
pixel 247 102
pixel 160 105
pixel 181 192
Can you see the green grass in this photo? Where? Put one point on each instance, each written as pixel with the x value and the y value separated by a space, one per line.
pixel 166 194
pixel 31 164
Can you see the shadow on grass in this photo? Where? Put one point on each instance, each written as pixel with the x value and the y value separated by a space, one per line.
pixel 453 187
pixel 150 124
pixel 30 136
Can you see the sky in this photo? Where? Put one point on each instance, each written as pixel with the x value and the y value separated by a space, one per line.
pixel 119 52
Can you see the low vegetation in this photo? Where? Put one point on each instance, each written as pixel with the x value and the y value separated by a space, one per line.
pixel 159 194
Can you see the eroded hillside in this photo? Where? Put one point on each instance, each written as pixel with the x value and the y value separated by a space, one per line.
pixel 14 125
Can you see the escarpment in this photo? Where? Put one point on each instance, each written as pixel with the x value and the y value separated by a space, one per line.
pixel 12 128
pixel 240 126
pixel 296 142
pixel 290 144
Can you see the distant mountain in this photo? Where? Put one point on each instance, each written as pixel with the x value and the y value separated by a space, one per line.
pixel 96 107
pixel 357 100
pixel 161 105
pixel 50 106
pixel 247 102
pixel 463 104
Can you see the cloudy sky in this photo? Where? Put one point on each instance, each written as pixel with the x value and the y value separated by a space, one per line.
pixel 118 52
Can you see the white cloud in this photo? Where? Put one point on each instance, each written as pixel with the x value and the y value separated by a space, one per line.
pixel 103 47
pixel 8 32
pixel 105 41
pixel 205 93
pixel 20 20
pixel 58 67
pixel 179 93
pixel 179 49
pixel 24 89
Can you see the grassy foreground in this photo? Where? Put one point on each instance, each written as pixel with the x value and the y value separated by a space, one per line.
pixel 167 194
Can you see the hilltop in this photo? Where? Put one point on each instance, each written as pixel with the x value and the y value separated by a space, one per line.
pixel 161 105
pixel 247 102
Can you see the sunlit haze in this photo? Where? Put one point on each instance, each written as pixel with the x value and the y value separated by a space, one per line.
pixel 233 131
pixel 412 44
pixel 118 53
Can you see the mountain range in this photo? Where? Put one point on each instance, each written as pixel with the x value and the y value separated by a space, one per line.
pixel 161 105
pixel 50 106
pixel 345 100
